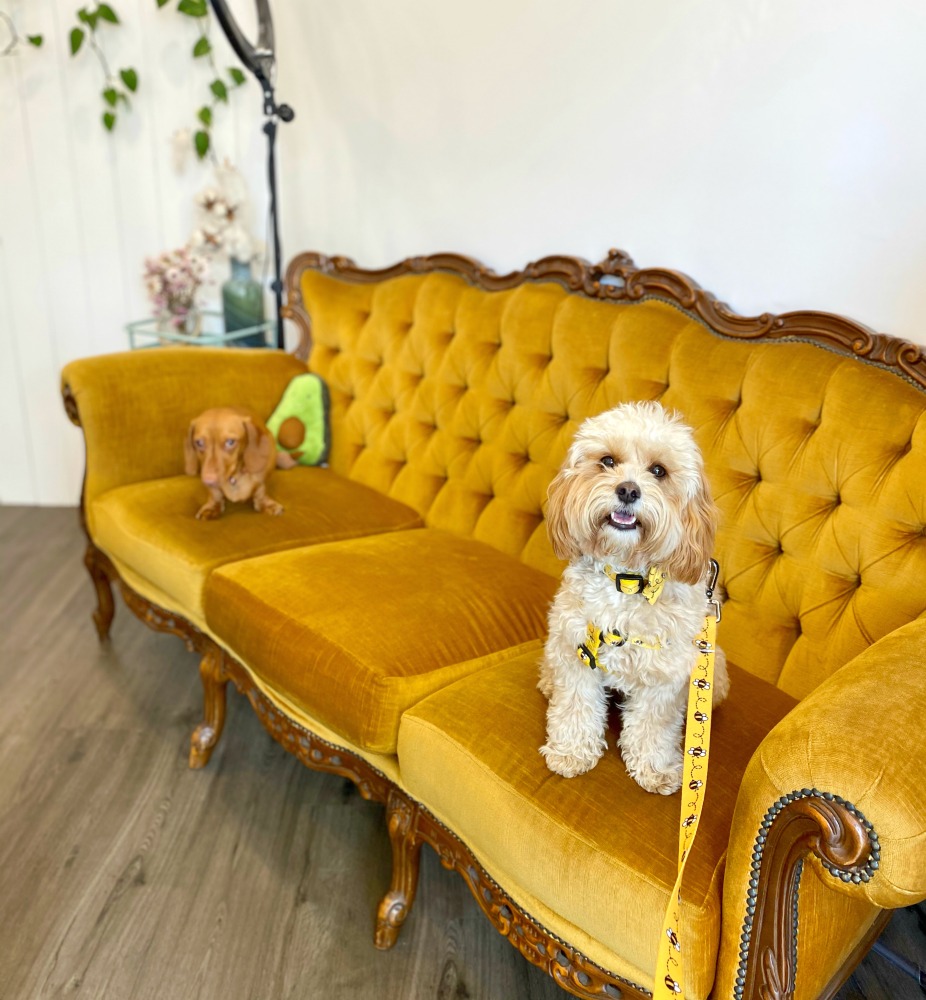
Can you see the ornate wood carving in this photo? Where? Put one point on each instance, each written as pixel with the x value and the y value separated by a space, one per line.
pixel 215 684
pixel 571 969
pixel 70 404
pixel 617 279
pixel 798 824
pixel 162 620
pixel 401 821
pixel 102 573
pixel 312 750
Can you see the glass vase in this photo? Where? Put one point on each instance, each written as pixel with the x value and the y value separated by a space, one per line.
pixel 243 303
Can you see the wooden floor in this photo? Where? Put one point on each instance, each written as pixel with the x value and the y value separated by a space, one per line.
pixel 126 876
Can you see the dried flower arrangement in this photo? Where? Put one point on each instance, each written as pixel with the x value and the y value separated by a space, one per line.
pixel 172 280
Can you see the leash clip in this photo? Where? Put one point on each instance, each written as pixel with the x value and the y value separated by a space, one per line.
pixel 711 583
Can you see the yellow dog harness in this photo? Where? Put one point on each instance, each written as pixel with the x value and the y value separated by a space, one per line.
pixel 596 637
pixel 650 586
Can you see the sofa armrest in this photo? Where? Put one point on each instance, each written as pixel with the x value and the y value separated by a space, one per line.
pixel 841 779
pixel 861 735
pixel 135 406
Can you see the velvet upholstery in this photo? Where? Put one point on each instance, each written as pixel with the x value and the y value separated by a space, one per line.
pixel 596 849
pixel 461 403
pixel 355 632
pixel 151 525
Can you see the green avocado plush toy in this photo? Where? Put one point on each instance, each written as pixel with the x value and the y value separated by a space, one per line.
pixel 300 421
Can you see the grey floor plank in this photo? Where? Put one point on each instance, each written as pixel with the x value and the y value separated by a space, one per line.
pixel 123 874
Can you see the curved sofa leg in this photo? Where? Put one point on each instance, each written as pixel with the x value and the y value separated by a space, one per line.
pixel 802 823
pixel 96 564
pixel 401 818
pixel 215 685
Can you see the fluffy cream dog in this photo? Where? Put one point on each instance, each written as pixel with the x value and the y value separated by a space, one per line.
pixel 632 512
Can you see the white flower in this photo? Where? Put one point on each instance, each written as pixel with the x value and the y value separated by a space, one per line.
pixel 238 243
pixel 222 224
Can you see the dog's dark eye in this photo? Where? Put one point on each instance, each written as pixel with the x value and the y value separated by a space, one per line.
pixel 200 443
pixel 658 471
pixel 230 443
pixel 608 462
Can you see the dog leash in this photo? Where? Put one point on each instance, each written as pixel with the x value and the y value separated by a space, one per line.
pixel 670 966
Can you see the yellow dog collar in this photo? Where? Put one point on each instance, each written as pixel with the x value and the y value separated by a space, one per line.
pixel 650 585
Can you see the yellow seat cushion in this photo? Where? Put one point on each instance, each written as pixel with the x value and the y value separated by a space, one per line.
pixel 356 632
pixel 596 849
pixel 152 527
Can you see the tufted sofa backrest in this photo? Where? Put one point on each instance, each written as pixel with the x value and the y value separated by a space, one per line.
pixel 458 392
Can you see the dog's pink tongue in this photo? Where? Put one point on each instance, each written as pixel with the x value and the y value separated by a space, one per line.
pixel 620 518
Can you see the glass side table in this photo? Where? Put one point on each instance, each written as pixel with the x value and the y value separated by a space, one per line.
pixel 147 333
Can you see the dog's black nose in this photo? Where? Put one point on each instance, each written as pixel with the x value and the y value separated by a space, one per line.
pixel 628 492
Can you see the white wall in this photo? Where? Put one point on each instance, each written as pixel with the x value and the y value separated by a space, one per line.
pixel 772 149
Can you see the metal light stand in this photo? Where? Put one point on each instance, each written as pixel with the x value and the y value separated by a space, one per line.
pixel 261 61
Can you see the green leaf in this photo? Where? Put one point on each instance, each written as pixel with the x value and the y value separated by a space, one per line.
pixel 106 13
pixel 109 119
pixel 205 116
pixel 202 47
pixel 218 88
pixel 193 8
pixel 162 3
pixel 129 78
pixel 236 75
pixel 111 95
pixel 77 39
pixel 201 141
pixel 89 19
pixel 35 40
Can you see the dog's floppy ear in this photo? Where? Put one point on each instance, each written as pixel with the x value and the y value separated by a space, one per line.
pixel 190 458
pixel 257 451
pixel 688 562
pixel 558 519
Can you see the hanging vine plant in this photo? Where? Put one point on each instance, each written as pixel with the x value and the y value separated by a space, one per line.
pixel 221 82
pixel 116 87
pixel 16 39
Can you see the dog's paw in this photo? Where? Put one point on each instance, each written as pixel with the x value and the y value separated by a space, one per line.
pixel 271 507
pixel 570 765
pixel 660 782
pixel 209 512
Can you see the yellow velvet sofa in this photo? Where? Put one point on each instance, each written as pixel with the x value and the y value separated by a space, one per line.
pixel 388 626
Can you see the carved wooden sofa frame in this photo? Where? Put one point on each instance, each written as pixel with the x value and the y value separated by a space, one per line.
pixel 806 822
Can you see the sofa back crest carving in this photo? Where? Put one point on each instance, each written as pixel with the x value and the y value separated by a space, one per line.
pixel 457 392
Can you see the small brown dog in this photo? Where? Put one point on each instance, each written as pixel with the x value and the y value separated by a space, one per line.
pixel 233 453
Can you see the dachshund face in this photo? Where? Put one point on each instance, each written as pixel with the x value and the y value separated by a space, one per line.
pixel 224 444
